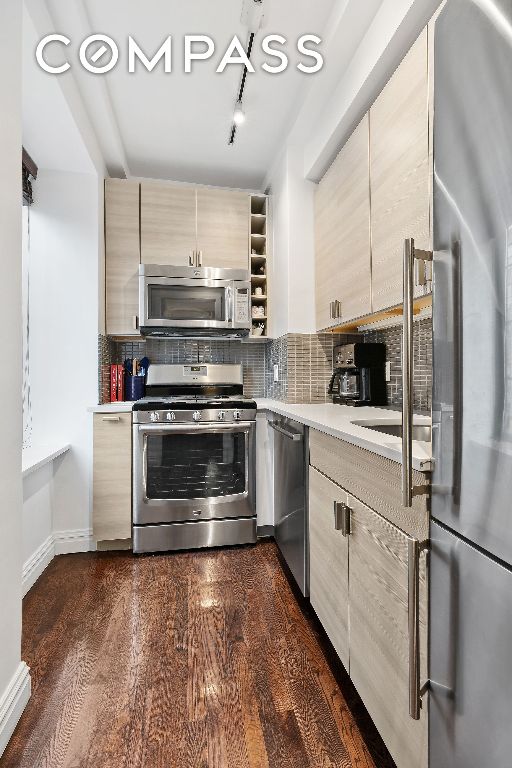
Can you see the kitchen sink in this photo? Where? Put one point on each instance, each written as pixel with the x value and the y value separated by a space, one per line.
pixel 421 432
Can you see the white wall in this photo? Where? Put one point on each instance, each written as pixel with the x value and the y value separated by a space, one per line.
pixel 293 295
pixel 14 680
pixel 63 344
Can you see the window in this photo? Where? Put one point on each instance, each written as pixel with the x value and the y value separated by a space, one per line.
pixel 29 170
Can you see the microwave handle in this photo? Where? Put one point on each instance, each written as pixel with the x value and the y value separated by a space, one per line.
pixel 229 304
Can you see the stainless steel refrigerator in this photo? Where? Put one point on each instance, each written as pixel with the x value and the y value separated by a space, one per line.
pixel 471 558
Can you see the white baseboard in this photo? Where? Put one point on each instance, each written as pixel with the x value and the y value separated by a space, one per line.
pixel 13 702
pixel 59 543
pixel 77 540
pixel 35 565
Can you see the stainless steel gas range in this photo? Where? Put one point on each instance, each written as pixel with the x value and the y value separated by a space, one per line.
pixel 194 460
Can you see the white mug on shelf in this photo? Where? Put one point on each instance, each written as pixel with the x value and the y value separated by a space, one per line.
pixel 258 291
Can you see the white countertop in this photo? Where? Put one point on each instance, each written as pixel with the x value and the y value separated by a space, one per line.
pixel 124 407
pixel 336 420
pixel 38 455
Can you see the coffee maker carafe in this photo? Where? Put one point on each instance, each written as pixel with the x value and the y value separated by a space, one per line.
pixel 359 376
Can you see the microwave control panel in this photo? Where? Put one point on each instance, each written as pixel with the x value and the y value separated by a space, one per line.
pixel 242 305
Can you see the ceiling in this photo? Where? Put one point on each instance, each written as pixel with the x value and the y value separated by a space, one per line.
pixel 176 126
pixel 50 134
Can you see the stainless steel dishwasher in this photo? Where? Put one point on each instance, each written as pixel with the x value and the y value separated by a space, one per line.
pixel 291 458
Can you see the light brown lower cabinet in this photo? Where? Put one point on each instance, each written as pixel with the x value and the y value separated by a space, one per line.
pixel 328 577
pixel 112 476
pixel 379 639
pixel 359 588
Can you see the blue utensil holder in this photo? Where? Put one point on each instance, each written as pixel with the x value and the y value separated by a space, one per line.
pixel 134 387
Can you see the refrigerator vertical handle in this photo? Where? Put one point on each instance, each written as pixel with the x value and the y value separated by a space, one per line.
pixel 407 372
pixel 416 691
pixel 410 254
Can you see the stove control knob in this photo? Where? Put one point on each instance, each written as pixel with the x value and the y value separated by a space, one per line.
pixel 237 415
pixel 196 415
pixel 154 416
pixel 171 416
pixel 221 415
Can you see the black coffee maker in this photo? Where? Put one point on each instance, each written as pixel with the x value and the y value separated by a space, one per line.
pixel 359 376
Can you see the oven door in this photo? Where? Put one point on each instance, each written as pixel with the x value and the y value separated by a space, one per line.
pixel 197 304
pixel 187 473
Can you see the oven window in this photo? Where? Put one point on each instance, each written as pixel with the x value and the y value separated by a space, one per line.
pixel 195 466
pixel 182 303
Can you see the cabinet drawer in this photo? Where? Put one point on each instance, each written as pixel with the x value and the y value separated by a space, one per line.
pixel 373 479
pixel 112 476
pixel 328 562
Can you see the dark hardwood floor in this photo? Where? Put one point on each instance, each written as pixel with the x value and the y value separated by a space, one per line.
pixel 200 660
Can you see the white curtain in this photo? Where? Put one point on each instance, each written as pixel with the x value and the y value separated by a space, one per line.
pixel 27 406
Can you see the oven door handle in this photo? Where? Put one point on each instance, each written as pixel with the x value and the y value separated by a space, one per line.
pixel 193 429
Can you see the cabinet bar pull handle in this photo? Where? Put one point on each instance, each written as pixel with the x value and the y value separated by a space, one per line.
pixel 199 258
pixel 191 259
pixel 410 255
pixel 416 691
pixel 111 418
pixel 342 518
pixel 135 322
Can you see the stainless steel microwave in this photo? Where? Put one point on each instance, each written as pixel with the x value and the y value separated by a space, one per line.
pixel 189 301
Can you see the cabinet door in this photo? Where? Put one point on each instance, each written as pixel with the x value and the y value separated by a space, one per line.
pixel 168 224
pixel 122 256
pixel 328 562
pixel 379 640
pixel 399 172
pixel 112 476
pixel 343 234
pixel 325 248
pixel 223 228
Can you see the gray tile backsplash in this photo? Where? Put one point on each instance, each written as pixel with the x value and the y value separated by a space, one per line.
pixel 251 356
pixel 422 338
pixel 305 362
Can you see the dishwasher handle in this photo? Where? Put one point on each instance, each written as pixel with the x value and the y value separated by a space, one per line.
pixel 295 436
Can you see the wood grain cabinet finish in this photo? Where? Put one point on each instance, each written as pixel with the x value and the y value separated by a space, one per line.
pixel 328 558
pixel 342 234
pixel 399 172
pixel 167 224
pixel 379 639
pixel 222 228
pixel 112 476
pixel 374 479
pixel 122 256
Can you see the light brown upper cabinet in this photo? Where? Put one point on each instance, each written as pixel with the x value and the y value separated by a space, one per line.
pixel 342 235
pixel 399 172
pixel 122 256
pixel 168 224
pixel 194 226
pixel 222 228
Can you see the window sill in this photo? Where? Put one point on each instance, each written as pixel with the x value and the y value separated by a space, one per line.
pixel 38 455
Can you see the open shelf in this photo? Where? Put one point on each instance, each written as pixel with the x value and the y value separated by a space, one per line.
pixel 258 249
pixel 258 225
pixel 259 204
pixel 258 260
